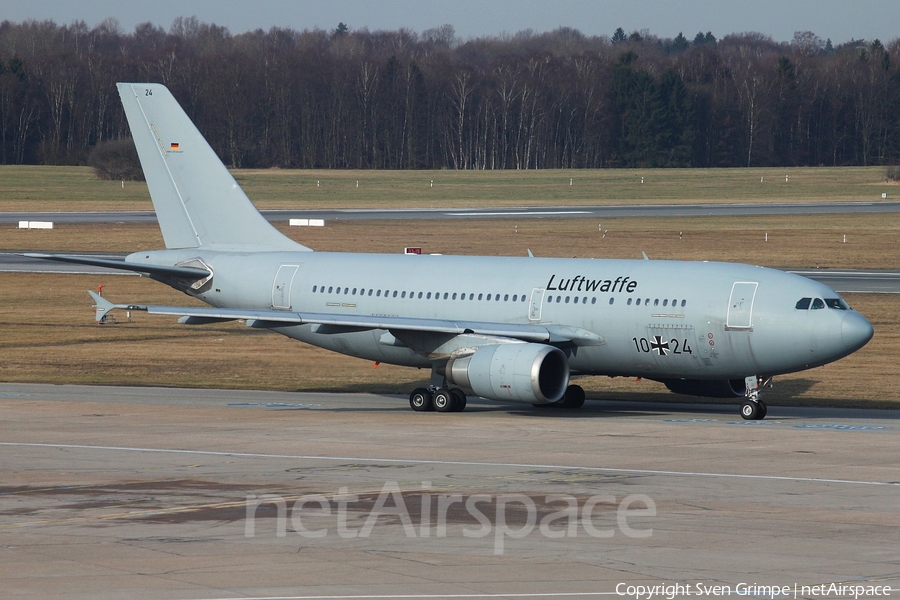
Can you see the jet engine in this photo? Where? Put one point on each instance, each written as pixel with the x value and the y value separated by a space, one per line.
pixel 517 372
pixel 727 388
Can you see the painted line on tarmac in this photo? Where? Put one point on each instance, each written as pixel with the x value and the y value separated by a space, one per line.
pixel 428 596
pixel 770 423
pixel 529 213
pixel 457 463
pixel 271 405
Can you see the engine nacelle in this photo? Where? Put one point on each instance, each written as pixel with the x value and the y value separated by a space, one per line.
pixel 518 372
pixel 727 388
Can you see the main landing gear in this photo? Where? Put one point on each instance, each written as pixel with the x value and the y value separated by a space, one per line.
pixel 441 400
pixel 753 408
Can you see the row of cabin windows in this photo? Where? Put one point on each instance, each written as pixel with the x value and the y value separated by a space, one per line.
pixel 636 302
pixel 471 296
pixel 420 295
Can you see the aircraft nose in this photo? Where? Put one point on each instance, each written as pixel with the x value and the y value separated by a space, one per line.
pixel 856 331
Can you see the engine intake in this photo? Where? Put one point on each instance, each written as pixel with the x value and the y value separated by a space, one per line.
pixel 517 372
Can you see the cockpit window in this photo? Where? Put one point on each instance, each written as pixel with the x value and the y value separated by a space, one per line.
pixel 818 303
pixel 803 304
pixel 836 303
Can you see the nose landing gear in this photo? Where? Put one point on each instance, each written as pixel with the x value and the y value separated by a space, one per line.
pixel 753 408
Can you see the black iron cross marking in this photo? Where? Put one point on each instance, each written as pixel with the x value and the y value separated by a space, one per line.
pixel 661 347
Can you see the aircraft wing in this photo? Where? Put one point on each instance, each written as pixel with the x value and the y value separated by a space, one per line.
pixel 544 333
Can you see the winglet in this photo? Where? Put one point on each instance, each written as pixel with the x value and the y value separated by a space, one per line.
pixel 103 306
pixel 644 254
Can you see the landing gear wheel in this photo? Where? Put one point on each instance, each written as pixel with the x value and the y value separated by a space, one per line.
pixel 421 400
pixel 763 409
pixel 460 397
pixel 573 398
pixel 751 411
pixel 444 400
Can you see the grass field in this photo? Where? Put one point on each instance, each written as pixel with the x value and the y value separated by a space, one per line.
pixel 33 188
pixel 49 334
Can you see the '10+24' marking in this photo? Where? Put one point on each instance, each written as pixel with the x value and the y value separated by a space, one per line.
pixel 661 348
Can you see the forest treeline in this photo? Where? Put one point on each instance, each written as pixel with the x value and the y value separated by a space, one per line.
pixel 408 100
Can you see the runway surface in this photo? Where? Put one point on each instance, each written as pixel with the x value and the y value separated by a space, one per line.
pixel 111 492
pixel 845 281
pixel 530 212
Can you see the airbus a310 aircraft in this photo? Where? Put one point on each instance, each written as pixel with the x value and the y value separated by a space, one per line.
pixel 510 329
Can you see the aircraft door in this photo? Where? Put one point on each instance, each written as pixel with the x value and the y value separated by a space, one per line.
pixel 281 287
pixel 537 301
pixel 740 306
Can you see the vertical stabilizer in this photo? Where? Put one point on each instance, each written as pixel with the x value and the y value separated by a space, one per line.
pixel 197 201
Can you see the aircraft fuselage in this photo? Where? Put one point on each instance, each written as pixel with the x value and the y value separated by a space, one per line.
pixel 654 319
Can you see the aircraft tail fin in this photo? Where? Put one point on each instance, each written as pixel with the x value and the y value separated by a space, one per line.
pixel 197 201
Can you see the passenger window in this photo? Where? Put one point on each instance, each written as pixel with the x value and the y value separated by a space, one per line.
pixel 515 297
pixel 445 296
pixel 611 300
pixel 803 303
pixel 638 303
pixel 683 303
pixel 656 302
pixel 817 304
pixel 629 302
pixel 666 302
pixel 575 300
pixel 403 295
pixel 454 295
pixel 314 289
pixel 395 293
pixel 567 299
pixel 594 300
pixel 506 297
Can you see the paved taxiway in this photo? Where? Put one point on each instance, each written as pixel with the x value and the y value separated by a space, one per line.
pixel 142 493
pixel 516 212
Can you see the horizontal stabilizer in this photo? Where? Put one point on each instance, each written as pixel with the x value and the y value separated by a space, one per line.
pixel 161 271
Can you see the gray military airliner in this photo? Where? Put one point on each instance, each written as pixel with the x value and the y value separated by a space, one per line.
pixel 509 329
